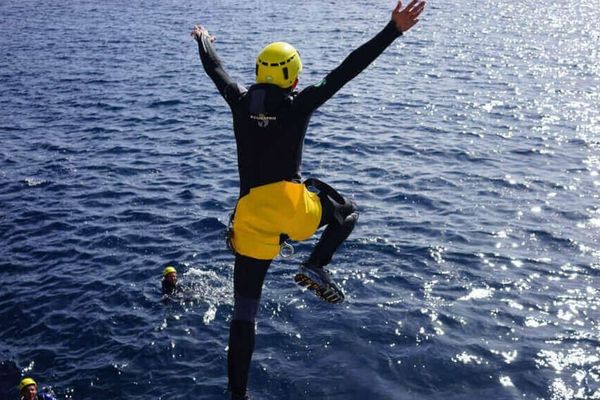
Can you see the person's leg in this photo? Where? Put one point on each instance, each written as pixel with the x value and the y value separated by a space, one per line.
pixel 248 277
pixel 340 219
pixel 340 216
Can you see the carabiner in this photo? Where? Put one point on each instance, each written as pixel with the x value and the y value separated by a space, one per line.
pixel 286 250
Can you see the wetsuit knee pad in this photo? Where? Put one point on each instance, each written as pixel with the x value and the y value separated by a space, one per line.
pixel 349 209
pixel 351 218
pixel 344 213
pixel 336 208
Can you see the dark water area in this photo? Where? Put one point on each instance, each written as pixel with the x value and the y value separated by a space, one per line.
pixel 472 147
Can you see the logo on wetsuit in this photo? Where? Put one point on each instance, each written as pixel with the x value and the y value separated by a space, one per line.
pixel 263 119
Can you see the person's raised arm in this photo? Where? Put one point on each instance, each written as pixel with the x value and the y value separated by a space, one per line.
pixel 402 20
pixel 212 64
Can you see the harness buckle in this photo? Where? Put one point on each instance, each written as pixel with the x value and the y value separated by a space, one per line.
pixel 286 250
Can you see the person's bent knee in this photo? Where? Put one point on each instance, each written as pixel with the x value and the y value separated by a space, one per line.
pixel 352 218
pixel 346 213
pixel 353 209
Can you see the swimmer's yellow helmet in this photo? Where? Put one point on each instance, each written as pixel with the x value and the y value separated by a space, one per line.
pixel 26 382
pixel 279 64
pixel 168 270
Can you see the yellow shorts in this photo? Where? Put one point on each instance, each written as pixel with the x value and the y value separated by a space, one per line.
pixel 270 210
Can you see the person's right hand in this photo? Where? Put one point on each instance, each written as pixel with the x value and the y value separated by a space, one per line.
pixel 199 31
pixel 406 18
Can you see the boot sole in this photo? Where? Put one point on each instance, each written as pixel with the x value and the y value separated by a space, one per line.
pixel 329 293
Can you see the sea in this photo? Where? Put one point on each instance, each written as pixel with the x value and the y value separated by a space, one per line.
pixel 471 146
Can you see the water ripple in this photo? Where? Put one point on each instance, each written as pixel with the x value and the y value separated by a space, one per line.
pixel 473 158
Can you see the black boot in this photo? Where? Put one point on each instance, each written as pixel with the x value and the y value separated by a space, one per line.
pixel 318 280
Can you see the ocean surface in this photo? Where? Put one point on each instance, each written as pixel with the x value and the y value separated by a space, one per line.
pixel 472 147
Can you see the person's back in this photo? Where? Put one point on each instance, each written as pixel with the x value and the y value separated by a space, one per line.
pixel 270 140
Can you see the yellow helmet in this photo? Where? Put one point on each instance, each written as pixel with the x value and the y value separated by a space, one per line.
pixel 168 270
pixel 279 64
pixel 26 382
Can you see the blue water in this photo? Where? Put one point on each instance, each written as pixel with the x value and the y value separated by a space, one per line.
pixel 471 146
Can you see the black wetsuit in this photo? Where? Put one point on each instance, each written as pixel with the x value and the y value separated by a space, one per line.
pixel 270 124
pixel 168 288
pixel 170 291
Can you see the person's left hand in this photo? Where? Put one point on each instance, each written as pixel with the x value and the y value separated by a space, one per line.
pixel 199 31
